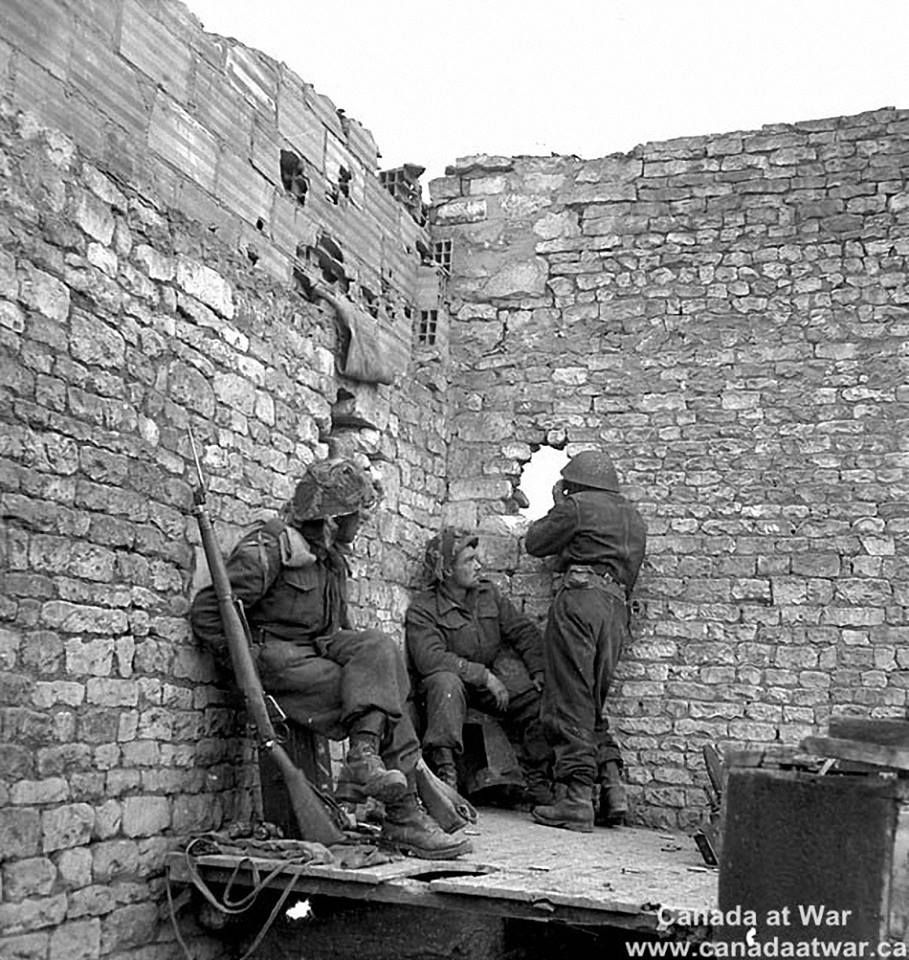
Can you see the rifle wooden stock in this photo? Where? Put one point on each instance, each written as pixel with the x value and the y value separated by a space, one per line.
pixel 312 816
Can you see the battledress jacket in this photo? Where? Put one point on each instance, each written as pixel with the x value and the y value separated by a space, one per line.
pixel 282 602
pixel 594 528
pixel 467 638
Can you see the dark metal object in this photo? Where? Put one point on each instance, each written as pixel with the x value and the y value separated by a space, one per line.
pixel 799 840
pixel 709 837
pixel 491 765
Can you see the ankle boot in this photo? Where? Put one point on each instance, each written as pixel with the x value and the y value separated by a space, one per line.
pixel 572 809
pixel 443 766
pixel 410 830
pixel 537 788
pixel 612 808
pixel 364 775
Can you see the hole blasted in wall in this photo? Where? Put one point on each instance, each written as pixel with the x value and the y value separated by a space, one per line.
pixel 538 478
pixel 293 176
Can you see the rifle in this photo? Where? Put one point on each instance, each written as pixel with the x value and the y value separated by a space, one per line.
pixel 309 809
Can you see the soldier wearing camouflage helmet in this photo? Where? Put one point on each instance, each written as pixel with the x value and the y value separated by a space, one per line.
pixel 290 573
pixel 598 539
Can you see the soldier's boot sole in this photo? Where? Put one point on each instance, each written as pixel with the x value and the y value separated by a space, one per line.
pixel 562 822
pixel 412 848
pixel 388 786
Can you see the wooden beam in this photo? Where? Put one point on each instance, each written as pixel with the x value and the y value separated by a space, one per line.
pixel 879 755
pixel 893 733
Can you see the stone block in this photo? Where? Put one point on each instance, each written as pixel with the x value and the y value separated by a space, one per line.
pixel 32 946
pixel 193 814
pixel 182 141
pixel 94 217
pixel 103 258
pixel 190 388
pixel 157 51
pixel 45 294
pixel 11 317
pixel 33 792
pixel 599 193
pixel 10 641
pixel 241 188
pixel 66 826
pixel 9 280
pixel 20 832
pixel 517 206
pixel 96 343
pixel 145 816
pixel 207 285
pixel 111 86
pixel 32 914
pixel 613 169
pixel 486 186
pixel 553 225
pixel 218 107
pixel 114 858
pixel 235 392
pixel 42 31
pixel 251 73
pixel 33 877
pixel 91 901
pixel 459 211
pixel 74 867
pixel 92 657
pixel 112 693
pixel 299 125
pixel 517 279
pixel 480 163
pixel 76 940
pixel 480 489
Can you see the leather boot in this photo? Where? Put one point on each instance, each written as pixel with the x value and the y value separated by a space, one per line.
pixel 612 808
pixel 443 766
pixel 410 830
pixel 364 775
pixel 537 788
pixel 572 809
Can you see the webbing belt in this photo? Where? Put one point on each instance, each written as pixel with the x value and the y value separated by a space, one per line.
pixel 584 576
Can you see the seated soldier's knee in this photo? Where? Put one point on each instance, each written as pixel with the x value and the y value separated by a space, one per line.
pixel 379 645
pixel 443 683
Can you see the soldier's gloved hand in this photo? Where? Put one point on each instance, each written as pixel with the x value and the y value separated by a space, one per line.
pixel 537 680
pixel 558 490
pixel 495 686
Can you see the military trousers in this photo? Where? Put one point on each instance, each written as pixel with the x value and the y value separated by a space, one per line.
pixel 446 699
pixel 331 684
pixel 585 633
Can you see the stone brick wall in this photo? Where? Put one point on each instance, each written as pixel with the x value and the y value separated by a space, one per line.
pixel 141 295
pixel 728 316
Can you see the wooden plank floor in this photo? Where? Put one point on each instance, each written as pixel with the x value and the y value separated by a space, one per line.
pixel 618 877
pixel 625 870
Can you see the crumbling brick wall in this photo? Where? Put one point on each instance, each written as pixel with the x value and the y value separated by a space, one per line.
pixel 142 292
pixel 727 316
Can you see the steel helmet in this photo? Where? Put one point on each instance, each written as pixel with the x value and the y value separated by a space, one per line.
pixel 332 488
pixel 592 468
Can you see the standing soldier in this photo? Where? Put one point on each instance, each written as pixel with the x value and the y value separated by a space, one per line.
pixel 290 574
pixel 598 538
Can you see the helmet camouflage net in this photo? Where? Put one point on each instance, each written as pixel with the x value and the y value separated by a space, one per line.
pixel 442 551
pixel 333 488
pixel 592 468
